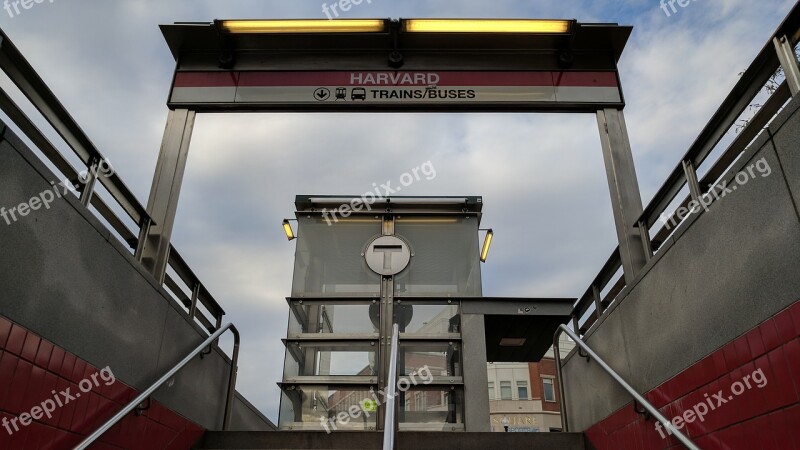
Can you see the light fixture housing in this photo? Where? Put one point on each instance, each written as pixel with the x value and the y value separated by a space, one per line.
pixel 287 228
pixel 520 26
pixel 304 26
pixel 487 243
pixel 512 342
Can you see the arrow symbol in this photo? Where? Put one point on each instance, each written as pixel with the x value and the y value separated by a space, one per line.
pixel 322 94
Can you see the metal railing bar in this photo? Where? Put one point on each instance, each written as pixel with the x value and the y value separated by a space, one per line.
pixel 21 120
pixel 749 85
pixel 48 149
pixel 671 429
pixel 149 391
pixel 25 77
pixel 762 118
pixel 603 277
pixel 390 421
pixel 756 125
pixel 188 276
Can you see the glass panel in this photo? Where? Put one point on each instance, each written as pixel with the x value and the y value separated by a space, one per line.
pixel 330 359
pixel 328 260
pixel 339 317
pixel 505 390
pixel 431 406
pixel 522 390
pixel 549 391
pixel 436 358
pixel 327 408
pixel 491 391
pixel 446 256
pixel 427 318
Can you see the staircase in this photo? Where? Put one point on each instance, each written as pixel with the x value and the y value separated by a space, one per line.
pixel 411 440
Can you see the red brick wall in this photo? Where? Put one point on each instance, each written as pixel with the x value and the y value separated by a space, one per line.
pixel 31 368
pixel 758 418
pixel 546 367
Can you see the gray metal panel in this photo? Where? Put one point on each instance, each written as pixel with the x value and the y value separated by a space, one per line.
pixel 199 389
pixel 476 397
pixel 247 418
pixel 63 280
pixel 787 140
pixel 728 270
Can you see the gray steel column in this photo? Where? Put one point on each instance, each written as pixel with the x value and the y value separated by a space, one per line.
pixel 626 200
pixel 476 378
pixel 163 203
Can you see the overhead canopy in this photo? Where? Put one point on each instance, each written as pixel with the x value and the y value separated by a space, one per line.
pixel 405 65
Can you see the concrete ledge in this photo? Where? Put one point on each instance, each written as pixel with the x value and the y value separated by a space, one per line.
pixel 405 440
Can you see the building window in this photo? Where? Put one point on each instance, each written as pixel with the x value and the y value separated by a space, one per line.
pixel 505 390
pixel 549 390
pixel 491 390
pixel 522 390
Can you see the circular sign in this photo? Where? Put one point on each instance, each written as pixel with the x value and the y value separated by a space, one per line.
pixel 388 255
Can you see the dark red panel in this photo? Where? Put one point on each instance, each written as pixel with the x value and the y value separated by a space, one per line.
pixel 785 326
pixel 795 311
pixel 30 347
pixel 769 335
pixel 16 339
pixel 5 329
pixel 32 368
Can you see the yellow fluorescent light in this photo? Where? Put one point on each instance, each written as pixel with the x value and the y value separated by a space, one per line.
pixel 305 26
pixel 487 243
pixel 287 228
pixel 486 26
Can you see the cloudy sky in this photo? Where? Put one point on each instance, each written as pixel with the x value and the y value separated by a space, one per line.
pixel 541 176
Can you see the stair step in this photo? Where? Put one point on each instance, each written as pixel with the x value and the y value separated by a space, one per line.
pixel 370 440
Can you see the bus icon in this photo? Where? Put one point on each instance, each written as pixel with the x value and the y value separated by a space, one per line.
pixel 359 94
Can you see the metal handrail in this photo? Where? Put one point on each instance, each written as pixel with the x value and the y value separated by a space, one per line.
pixel 638 397
pixel 389 423
pixel 149 391
pixel 750 84
pixel 42 98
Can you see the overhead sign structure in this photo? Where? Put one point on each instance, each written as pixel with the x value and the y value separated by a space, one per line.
pixel 386 65
pixel 405 65
pixel 354 90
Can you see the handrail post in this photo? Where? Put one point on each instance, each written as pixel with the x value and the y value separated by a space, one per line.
pixel 561 400
pixel 389 424
pixel 230 397
pixel 671 429
pixel 788 61
pixel 149 391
